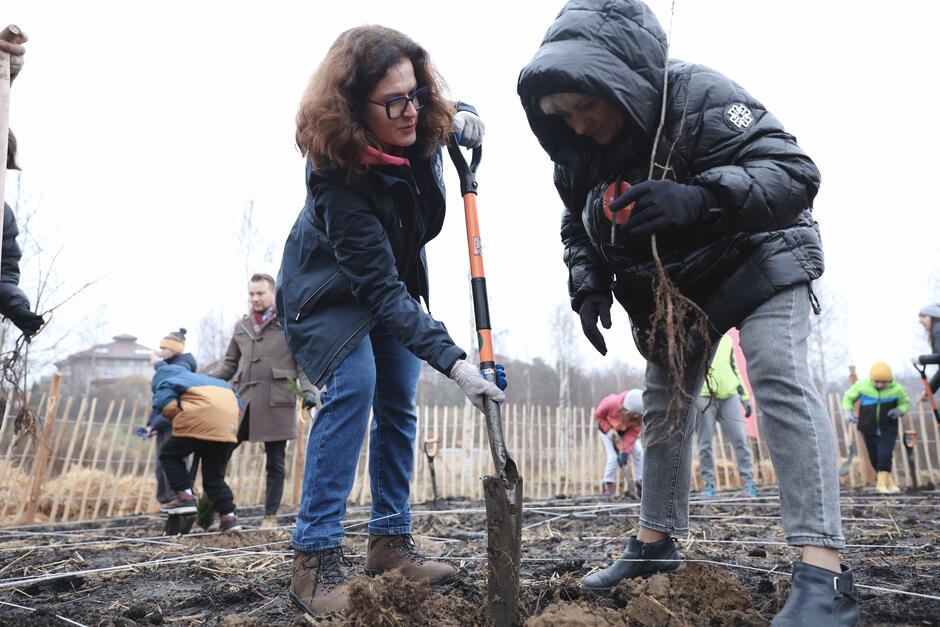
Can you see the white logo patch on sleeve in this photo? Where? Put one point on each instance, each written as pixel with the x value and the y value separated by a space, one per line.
pixel 738 116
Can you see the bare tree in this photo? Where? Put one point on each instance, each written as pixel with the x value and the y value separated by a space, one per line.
pixel 48 293
pixel 565 344
pixel 215 329
pixel 827 350
pixel 257 250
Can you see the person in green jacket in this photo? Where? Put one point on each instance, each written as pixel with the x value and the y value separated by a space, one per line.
pixel 883 402
pixel 721 400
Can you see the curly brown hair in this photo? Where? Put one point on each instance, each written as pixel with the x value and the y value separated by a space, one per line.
pixel 330 129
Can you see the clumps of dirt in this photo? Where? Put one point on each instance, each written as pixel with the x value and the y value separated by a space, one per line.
pixel 460 603
pixel 388 600
pixel 576 615
pixel 277 539
pixel 696 594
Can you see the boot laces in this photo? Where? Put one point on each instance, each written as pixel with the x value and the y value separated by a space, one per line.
pixel 331 566
pixel 406 544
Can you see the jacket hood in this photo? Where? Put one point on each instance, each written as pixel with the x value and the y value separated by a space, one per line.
pixel 612 49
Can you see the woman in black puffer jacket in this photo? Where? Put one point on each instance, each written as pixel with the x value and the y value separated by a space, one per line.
pixel 730 205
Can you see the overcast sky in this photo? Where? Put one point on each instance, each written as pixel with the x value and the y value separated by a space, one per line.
pixel 145 128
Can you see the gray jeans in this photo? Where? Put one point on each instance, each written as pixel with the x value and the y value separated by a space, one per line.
pixel 729 413
pixel 797 427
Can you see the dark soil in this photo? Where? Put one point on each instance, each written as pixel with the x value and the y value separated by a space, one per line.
pixel 242 579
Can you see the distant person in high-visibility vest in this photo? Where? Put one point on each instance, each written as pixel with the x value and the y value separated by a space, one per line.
pixel 724 400
pixel 883 402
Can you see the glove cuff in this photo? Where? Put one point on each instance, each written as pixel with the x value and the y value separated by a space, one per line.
pixel 710 209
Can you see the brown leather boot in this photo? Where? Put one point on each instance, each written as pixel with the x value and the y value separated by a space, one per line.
pixel 390 552
pixel 318 583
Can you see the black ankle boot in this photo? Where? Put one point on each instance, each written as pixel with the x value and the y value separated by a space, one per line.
pixel 662 556
pixel 819 596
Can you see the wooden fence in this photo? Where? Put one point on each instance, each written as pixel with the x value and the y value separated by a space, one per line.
pixel 85 462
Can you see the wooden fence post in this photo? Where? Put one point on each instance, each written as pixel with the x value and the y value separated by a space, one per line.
pixel 299 450
pixel 108 475
pixel 94 462
pixel 128 437
pixel 39 465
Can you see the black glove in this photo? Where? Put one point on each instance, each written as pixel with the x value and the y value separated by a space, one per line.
pixel 26 321
pixel 748 410
pixel 311 399
pixel 595 305
pixel 622 459
pixel 664 205
pixel 895 413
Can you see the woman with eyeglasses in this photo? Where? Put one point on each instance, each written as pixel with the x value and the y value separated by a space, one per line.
pixel 371 124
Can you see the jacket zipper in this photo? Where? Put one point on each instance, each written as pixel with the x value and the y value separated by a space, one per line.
pixel 303 305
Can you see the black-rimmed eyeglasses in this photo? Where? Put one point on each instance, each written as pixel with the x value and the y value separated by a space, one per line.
pixel 396 107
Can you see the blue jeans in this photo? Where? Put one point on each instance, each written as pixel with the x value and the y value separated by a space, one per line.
pixel 382 375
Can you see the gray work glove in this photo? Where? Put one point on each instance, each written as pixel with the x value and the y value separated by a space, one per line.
pixel 895 413
pixel 469 129
pixel 474 386
pixel 850 418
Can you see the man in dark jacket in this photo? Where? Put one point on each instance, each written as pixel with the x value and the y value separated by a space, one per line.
pixel 263 372
pixel 171 353
pixel 14 304
pixel 728 196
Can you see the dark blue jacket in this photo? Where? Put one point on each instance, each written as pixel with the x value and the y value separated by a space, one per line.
pixel 355 259
pixel 157 422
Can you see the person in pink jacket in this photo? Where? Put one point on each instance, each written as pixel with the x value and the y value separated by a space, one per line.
pixel 619 420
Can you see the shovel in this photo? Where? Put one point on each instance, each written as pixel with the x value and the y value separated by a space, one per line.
pixel 910 441
pixel 923 377
pixel 10 34
pixel 853 447
pixel 847 464
pixel 430 449
pixel 502 493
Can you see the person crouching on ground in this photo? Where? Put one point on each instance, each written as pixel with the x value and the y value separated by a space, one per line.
pixel 730 204
pixel 619 419
pixel 204 412
pixel 171 353
pixel 883 403
pixel 720 401
pixel 371 124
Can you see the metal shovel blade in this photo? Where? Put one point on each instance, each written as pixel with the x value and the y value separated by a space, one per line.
pixel 910 441
pixel 503 499
pixel 502 496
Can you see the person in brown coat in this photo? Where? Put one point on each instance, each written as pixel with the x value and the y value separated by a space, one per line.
pixel 263 373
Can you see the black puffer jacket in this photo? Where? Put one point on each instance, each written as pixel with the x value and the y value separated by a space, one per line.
pixel 714 135
pixel 355 258
pixel 12 298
